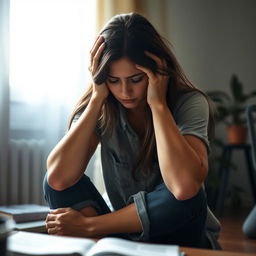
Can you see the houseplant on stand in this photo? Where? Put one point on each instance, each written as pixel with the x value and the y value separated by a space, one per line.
pixel 231 110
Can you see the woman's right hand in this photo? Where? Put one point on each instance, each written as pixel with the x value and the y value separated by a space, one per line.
pixel 99 90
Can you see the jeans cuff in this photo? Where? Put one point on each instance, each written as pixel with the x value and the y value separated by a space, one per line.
pixel 140 203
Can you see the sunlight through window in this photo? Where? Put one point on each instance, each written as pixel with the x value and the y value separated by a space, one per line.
pixel 49 44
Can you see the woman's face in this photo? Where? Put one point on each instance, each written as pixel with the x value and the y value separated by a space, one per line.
pixel 127 83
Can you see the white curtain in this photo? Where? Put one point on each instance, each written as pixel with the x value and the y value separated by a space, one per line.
pixel 48 67
pixel 43 71
pixel 4 96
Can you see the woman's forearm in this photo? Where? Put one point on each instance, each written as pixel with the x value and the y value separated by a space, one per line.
pixel 68 160
pixel 125 220
pixel 179 163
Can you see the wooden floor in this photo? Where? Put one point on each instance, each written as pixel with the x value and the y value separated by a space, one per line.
pixel 232 237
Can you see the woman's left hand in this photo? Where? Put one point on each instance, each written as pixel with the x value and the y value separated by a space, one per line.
pixel 157 83
pixel 66 221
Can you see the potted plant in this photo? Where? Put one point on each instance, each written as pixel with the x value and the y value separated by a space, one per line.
pixel 231 110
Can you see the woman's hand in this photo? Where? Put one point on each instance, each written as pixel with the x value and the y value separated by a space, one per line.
pixel 96 51
pixel 67 222
pixel 157 83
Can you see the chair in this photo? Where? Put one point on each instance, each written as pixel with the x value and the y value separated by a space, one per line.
pixel 249 225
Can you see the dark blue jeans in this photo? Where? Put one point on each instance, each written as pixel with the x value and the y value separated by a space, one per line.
pixel 171 221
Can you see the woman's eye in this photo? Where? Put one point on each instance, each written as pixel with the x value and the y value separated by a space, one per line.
pixel 112 80
pixel 137 79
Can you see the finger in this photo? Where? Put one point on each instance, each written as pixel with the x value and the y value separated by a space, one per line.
pixel 96 45
pixel 160 62
pixel 53 230
pixel 95 41
pixel 50 224
pixel 154 57
pixel 95 61
pixel 51 217
pixel 149 73
pixel 59 210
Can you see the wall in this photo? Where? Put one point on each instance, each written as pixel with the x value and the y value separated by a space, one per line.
pixel 212 40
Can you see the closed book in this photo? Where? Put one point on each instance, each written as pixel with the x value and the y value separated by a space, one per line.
pixel 25 212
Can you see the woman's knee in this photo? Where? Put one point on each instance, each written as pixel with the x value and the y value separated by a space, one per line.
pixel 80 195
pixel 167 214
pixel 46 187
pixel 162 197
pixel 69 196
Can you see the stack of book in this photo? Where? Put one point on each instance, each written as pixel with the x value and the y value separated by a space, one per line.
pixel 28 217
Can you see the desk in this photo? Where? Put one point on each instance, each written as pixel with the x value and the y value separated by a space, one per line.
pixel 203 252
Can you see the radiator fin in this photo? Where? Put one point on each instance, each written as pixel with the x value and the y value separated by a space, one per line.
pixel 26 171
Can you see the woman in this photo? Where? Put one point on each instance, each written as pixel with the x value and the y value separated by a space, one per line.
pixel 153 127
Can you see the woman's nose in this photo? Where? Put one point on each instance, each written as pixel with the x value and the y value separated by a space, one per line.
pixel 126 89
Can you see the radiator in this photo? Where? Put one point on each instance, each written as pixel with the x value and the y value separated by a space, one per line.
pixel 26 169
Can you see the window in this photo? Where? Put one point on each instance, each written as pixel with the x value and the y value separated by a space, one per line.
pixel 49 46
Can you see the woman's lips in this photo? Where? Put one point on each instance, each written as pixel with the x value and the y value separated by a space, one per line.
pixel 128 101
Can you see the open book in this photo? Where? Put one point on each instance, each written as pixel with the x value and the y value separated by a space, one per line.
pixel 26 243
pixel 25 212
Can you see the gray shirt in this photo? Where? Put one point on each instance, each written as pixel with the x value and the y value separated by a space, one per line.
pixel 119 152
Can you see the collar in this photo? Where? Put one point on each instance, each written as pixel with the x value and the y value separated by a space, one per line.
pixel 123 116
pixel 124 122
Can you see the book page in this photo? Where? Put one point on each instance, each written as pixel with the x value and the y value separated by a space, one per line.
pixel 111 246
pixel 42 244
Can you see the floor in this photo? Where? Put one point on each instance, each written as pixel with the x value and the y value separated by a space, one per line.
pixel 232 237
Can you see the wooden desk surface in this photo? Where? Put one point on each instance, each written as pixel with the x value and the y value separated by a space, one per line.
pixel 203 252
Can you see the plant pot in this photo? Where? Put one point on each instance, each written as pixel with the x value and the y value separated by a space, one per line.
pixel 237 134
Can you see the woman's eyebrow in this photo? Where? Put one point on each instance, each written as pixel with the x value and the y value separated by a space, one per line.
pixel 128 76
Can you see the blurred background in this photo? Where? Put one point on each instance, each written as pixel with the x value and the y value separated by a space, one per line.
pixel 44 46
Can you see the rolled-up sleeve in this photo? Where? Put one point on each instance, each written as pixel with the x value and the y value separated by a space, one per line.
pixel 140 203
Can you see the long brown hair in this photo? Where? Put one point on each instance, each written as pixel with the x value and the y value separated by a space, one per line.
pixel 130 35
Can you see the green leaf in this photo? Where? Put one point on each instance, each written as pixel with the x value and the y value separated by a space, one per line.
pixel 251 95
pixel 230 109
pixel 219 96
pixel 222 113
pixel 236 89
pixel 237 110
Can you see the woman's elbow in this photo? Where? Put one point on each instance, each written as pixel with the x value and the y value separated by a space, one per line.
pixel 190 188
pixel 186 192
pixel 54 182
pixel 53 178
